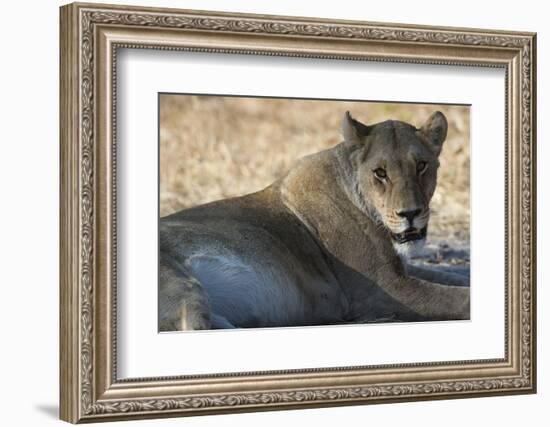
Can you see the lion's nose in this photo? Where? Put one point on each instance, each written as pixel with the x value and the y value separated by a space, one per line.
pixel 410 214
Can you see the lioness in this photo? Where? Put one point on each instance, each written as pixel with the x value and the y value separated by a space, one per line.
pixel 321 245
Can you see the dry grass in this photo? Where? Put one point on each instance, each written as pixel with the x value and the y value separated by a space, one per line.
pixel 217 147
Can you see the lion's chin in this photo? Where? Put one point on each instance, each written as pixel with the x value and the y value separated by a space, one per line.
pixel 410 248
pixel 410 242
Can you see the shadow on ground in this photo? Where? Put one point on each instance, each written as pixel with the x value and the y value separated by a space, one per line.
pixel 51 410
pixel 446 256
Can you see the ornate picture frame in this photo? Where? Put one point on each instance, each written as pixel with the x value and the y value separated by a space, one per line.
pixel 90 37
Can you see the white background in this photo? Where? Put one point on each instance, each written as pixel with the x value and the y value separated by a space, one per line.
pixel 29 171
pixel 143 352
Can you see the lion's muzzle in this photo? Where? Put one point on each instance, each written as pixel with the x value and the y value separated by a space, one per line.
pixel 410 234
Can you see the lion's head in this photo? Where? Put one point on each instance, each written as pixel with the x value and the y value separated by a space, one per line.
pixel 395 166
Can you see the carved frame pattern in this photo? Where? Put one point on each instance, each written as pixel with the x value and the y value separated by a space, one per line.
pixel 81 399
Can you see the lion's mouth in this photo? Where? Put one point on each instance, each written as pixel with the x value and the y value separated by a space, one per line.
pixel 410 234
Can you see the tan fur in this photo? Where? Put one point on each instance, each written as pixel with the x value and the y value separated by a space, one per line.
pixel 318 246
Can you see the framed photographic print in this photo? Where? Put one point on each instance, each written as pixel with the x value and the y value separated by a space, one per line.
pixel 264 212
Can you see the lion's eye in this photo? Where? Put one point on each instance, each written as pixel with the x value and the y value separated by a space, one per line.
pixel 421 167
pixel 380 174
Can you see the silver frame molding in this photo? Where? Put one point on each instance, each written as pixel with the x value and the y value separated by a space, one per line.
pixel 90 37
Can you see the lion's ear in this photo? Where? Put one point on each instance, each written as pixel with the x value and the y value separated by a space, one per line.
pixel 353 130
pixel 434 131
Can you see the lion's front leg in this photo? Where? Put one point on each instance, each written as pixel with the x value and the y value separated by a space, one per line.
pixel 434 276
pixel 432 301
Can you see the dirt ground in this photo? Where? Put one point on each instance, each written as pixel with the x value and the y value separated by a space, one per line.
pixel 217 147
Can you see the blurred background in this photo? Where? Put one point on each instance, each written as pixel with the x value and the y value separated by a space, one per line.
pixel 214 147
